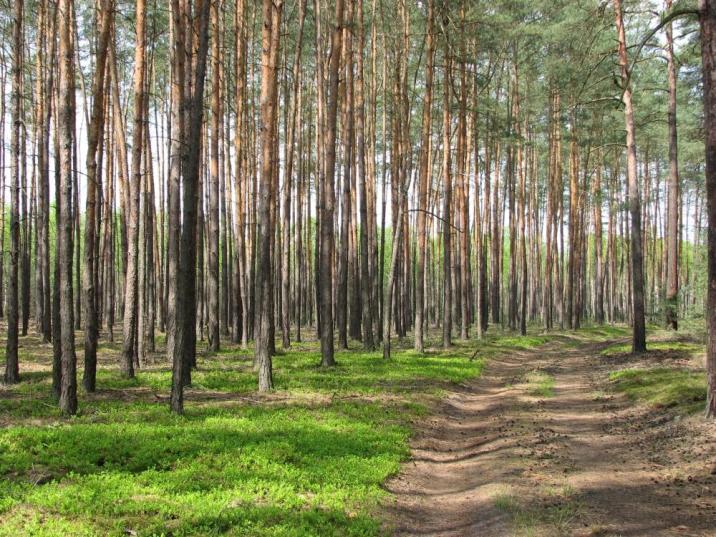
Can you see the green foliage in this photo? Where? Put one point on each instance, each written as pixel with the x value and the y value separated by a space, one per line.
pixel 681 389
pixel 540 384
pixel 674 346
pixel 307 460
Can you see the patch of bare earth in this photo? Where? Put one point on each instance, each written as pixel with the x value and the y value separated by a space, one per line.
pixel 505 458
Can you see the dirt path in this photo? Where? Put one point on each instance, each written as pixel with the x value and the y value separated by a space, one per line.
pixel 537 446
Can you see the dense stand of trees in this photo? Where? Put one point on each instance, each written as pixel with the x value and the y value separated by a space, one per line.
pixel 218 169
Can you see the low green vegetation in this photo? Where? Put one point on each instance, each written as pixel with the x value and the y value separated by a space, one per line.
pixel 540 384
pixel 684 390
pixel 662 346
pixel 309 459
pixel 553 511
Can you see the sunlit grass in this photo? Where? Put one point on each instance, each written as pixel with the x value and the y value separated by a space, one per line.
pixel 681 389
pixel 676 346
pixel 540 384
pixel 309 459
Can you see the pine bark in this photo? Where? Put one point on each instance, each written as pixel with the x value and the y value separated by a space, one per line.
pixel 327 205
pixel 12 366
pixel 95 132
pixel 66 115
pixel 637 272
pixel 673 208
pixel 707 20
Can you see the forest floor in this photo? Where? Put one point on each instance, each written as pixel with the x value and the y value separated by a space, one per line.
pixel 547 434
pixel 576 438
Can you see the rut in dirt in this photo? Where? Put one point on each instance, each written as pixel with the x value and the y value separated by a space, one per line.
pixel 508 456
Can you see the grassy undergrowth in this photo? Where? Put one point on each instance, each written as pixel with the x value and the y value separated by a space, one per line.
pixel 540 384
pixel 664 346
pixel 669 375
pixel 309 459
pixel 683 390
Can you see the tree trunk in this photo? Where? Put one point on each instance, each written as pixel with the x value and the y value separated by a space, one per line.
pixel 365 227
pixel 185 335
pixel 637 274
pixel 95 131
pixel 673 209
pixel 66 115
pixel 328 195
pixel 213 187
pixel 131 286
pixel 12 367
pixel 287 184
pixel 176 151
pixel 264 315
pixel 447 207
pixel 707 19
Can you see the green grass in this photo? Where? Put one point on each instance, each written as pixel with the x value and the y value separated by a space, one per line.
pixel 664 346
pixel 540 384
pixel 308 460
pixel 532 518
pixel 680 389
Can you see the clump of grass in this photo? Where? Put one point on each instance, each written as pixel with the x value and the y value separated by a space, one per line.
pixel 681 389
pixel 600 332
pixel 667 346
pixel 540 384
pixel 558 514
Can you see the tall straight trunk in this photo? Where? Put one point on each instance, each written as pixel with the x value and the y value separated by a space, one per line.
pixel 463 188
pixel 264 315
pixel 129 340
pixel 176 150
pixel 447 207
pixel 707 19
pixel 213 187
pixel 598 254
pixel 44 83
pixel 287 184
pixel 95 131
pixel 241 182
pixel 424 174
pixel 365 227
pixel 496 240
pixel 637 273
pixel 328 195
pixel 3 79
pixel 185 335
pixel 673 207
pixel 12 366
pixel 346 197
pixel 573 223
pixel 66 115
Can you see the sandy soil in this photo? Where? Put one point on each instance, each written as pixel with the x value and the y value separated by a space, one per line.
pixel 499 458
